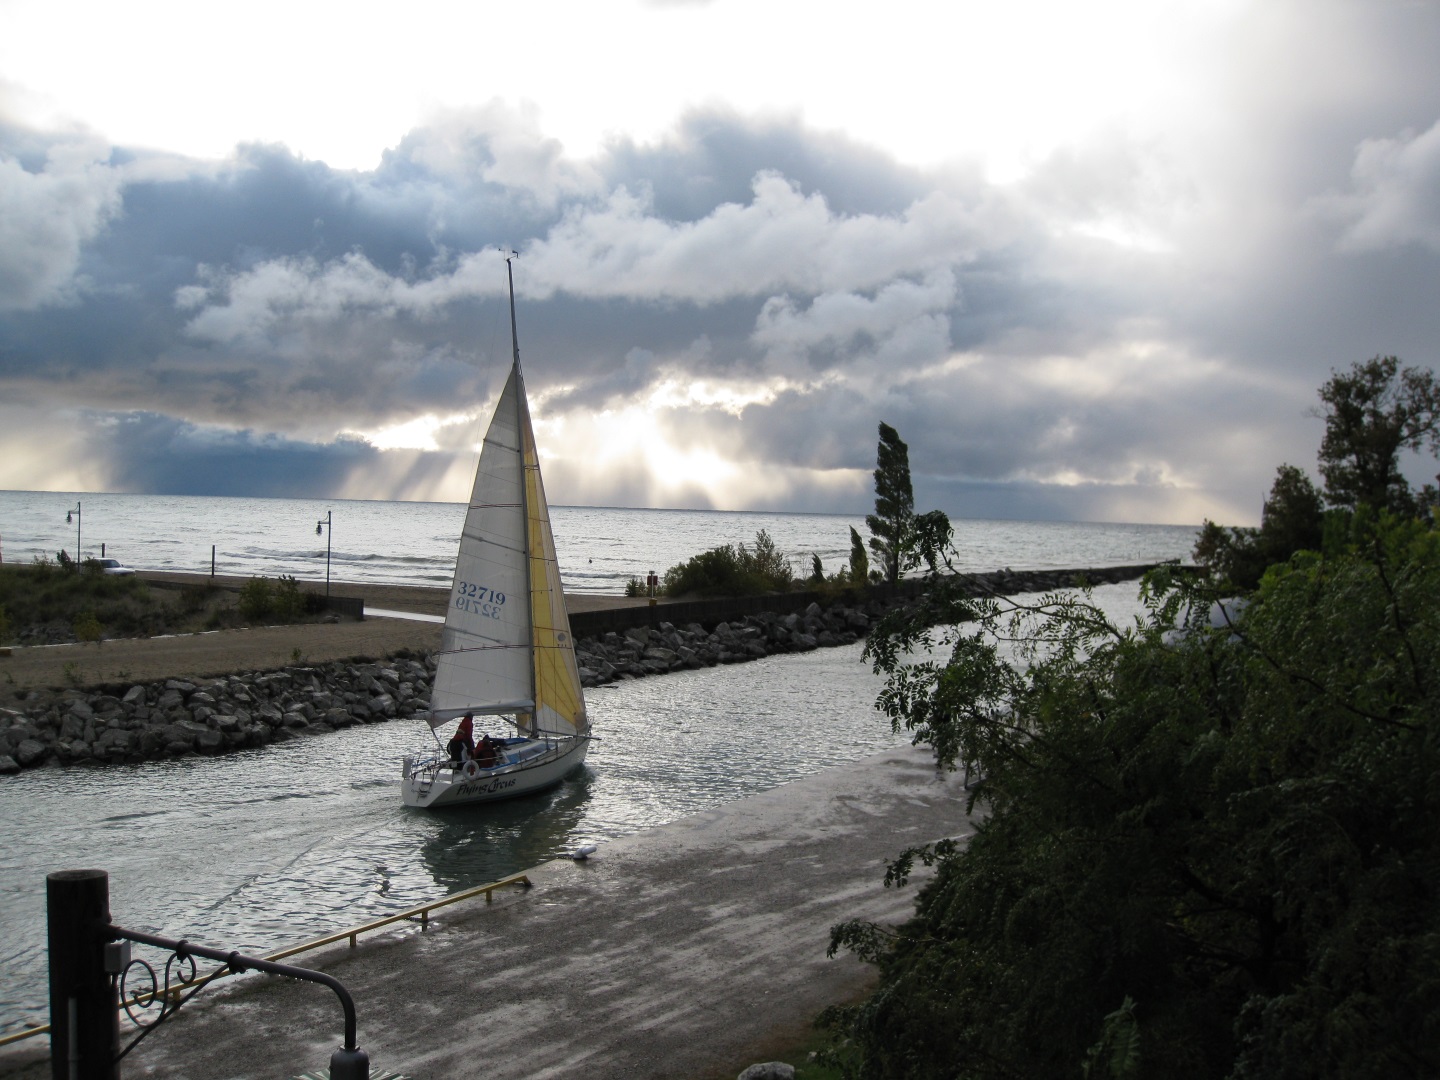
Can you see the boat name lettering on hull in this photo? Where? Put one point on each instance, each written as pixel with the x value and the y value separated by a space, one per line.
pixel 485 787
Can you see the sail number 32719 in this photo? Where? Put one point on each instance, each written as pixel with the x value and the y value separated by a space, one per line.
pixel 478 600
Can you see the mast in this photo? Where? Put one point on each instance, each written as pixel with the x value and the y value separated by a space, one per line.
pixel 521 425
pixel 514 336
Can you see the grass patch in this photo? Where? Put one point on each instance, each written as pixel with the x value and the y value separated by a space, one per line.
pixel 46 602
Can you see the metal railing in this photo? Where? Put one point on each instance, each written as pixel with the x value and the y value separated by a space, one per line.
pixel 420 912
pixel 347 1063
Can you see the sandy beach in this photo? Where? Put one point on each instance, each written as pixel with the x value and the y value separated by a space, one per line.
pixel 260 648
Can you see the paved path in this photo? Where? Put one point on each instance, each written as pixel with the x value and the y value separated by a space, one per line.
pixel 263 648
pixel 683 952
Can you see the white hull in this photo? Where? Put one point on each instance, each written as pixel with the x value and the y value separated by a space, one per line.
pixel 431 784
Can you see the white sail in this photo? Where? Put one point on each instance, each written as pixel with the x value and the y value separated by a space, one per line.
pixel 507 647
pixel 484 663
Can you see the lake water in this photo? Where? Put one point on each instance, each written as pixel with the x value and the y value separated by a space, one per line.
pixel 600 548
pixel 269 847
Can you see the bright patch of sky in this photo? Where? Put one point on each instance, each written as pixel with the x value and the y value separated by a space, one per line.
pixel 931 82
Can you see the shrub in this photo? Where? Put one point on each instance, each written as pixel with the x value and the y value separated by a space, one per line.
pixel 286 600
pixel 194 597
pixel 281 600
pixel 87 627
pixel 731 570
pixel 256 598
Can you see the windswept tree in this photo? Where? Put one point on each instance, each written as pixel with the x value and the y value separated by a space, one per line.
pixel 1371 413
pixel 892 525
pixel 859 561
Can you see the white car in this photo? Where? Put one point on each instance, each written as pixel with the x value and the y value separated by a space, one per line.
pixel 112 566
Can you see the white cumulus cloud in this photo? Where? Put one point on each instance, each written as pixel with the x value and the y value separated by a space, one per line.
pixel 47 215
pixel 783 239
pixel 1396 196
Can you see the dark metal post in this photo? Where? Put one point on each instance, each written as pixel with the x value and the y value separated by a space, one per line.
pixel 212 561
pixel 84 1016
pixel 79 558
pixel 327 523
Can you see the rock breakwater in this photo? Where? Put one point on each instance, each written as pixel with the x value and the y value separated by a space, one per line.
pixel 172 717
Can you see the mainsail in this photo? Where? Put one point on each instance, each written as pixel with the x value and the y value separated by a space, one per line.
pixel 498 653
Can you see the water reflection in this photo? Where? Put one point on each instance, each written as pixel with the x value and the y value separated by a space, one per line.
pixel 465 846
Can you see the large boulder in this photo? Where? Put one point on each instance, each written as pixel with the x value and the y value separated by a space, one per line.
pixel 769 1070
pixel 31 752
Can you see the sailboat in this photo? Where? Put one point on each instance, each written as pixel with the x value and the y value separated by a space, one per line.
pixel 506 652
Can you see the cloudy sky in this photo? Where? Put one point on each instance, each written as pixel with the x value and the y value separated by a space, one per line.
pixel 1091 260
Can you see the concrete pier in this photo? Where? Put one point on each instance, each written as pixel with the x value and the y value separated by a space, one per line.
pixel 683 951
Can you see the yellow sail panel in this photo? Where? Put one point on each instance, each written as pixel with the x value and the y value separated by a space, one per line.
pixel 559 700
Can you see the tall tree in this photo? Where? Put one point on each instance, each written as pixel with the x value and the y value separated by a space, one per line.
pixel 892 525
pixel 859 561
pixel 1371 413
pixel 1291 520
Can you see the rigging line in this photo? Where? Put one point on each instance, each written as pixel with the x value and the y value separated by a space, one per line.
pixel 480 648
pixel 490 542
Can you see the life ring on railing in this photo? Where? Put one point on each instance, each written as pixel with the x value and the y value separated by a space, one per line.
pixel 471 770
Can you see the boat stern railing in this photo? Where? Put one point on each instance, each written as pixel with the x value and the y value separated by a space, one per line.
pixel 425 769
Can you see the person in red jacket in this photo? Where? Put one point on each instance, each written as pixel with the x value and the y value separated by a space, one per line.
pixel 462 747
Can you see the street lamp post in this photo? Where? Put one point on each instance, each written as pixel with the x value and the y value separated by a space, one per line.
pixel 76 512
pixel 324 525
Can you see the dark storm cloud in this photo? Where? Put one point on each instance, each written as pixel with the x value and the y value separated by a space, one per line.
pixel 147 452
pixel 712 158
